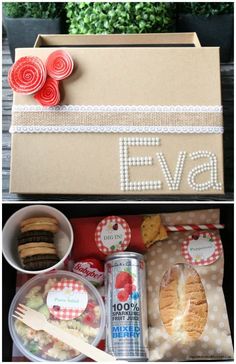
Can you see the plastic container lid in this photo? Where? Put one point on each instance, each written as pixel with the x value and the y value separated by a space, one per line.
pixel 67 300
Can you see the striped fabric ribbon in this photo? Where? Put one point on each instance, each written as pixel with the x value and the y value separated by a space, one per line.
pixel 181 228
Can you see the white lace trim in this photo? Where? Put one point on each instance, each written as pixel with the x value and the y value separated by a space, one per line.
pixel 119 108
pixel 117 129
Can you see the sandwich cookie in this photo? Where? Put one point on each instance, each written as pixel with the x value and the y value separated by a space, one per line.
pixel 35 236
pixel 39 223
pixel 36 246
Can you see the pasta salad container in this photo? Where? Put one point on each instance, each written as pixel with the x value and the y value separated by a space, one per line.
pixel 68 301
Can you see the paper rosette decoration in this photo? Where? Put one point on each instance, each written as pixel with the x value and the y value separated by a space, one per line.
pixel 59 65
pixel 28 76
pixel 49 95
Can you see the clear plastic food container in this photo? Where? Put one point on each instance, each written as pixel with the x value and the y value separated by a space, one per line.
pixel 68 301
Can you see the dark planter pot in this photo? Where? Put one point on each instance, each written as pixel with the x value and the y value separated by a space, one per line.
pixel 22 32
pixel 214 30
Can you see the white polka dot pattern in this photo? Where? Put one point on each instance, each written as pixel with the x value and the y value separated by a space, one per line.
pixel 215 342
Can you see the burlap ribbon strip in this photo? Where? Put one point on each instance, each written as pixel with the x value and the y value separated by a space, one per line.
pixel 26 118
pixel 116 118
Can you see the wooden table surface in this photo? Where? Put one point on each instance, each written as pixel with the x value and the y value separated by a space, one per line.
pixel 227 97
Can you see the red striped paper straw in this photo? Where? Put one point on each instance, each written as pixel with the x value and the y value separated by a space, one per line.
pixel 194 227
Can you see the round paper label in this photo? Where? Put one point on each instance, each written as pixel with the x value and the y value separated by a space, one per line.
pixel 67 299
pixel 202 248
pixel 112 235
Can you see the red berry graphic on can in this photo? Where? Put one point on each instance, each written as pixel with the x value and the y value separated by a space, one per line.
pixel 129 288
pixel 122 295
pixel 122 279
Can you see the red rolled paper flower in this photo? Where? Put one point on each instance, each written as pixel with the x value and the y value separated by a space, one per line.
pixel 27 75
pixel 49 95
pixel 59 65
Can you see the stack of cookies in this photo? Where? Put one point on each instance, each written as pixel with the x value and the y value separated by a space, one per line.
pixel 36 246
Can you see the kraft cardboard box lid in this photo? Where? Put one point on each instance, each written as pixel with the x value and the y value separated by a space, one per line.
pixel 161 105
pixel 157 39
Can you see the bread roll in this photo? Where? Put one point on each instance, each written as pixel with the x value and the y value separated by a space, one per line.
pixel 183 304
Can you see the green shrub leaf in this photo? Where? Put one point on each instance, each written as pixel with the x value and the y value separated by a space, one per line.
pixel 120 17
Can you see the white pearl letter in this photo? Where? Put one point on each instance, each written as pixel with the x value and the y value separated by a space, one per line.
pixel 172 182
pixel 126 162
pixel 210 166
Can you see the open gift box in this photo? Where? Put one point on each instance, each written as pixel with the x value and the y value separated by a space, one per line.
pixel 210 331
pixel 140 114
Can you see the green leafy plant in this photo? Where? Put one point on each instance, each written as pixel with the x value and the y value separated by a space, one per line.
pixel 110 18
pixel 32 10
pixel 206 9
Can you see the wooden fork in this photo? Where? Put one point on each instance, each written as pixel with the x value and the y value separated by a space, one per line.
pixel 37 321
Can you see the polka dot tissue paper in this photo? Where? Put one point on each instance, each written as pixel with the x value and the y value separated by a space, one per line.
pixel 186 306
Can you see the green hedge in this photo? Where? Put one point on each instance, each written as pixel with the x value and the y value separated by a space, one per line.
pixel 119 17
pixel 93 18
